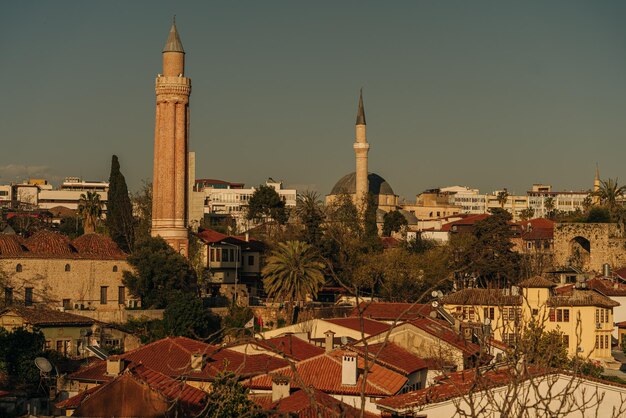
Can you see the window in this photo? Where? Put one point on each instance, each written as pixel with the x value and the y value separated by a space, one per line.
pixel 67 267
pixel 601 342
pixel 121 295
pixel 67 304
pixel 28 296
pixel 489 313
pixel 597 316
pixel 250 260
pixel 225 255
pixel 566 340
pixel 8 295
pixel 565 315
pixel 114 269
pixel 103 295
pixel 552 315
pixel 18 268
pixel 535 312
pixel 606 341
pixel 597 341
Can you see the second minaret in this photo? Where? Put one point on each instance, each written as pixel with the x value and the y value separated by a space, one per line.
pixel 361 148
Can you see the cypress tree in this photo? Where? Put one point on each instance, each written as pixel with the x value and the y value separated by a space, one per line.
pixel 119 220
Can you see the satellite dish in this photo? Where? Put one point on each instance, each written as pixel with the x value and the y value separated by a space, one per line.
pixel 43 364
pixel 435 304
pixel 487 321
pixel 344 340
pixel 439 294
pixel 434 293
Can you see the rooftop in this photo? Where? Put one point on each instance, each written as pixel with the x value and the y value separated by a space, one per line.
pixel 41 317
pixel 476 296
pixel 365 325
pixel 391 311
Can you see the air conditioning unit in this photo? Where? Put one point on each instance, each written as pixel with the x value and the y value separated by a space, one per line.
pixel 598 325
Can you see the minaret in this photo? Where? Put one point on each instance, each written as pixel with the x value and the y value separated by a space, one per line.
pixel 171 136
pixel 596 187
pixel 361 148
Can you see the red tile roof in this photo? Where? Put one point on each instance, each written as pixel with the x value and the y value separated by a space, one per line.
pixel 42 317
pixel 621 324
pixel 468 221
pixel 290 346
pixel 542 223
pixel 48 244
pixel 315 404
pixel 211 236
pixel 581 297
pixel 621 272
pixel 190 398
pixel 441 330
pixel 366 325
pixel 475 296
pixel 324 373
pixel 172 357
pixel 537 282
pixel 392 356
pixel 607 287
pixel 391 311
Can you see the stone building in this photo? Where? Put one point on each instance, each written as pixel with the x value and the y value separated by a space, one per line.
pixel 51 270
pixel 589 245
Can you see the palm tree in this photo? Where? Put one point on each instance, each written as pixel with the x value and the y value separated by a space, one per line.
pixel 311 214
pixel 293 272
pixel 502 197
pixel 90 209
pixel 609 193
pixel 549 206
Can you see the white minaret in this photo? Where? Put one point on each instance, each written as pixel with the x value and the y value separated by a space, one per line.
pixel 361 148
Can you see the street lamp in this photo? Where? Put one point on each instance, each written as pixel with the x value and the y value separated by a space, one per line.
pixel 236 264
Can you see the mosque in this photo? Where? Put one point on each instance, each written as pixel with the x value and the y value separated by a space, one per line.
pixel 359 183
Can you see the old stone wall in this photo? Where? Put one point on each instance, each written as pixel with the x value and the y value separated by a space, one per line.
pixel 78 281
pixel 589 245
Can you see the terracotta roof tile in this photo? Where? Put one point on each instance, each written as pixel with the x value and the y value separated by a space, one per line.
pixel 46 242
pixel 10 246
pixel 607 287
pixel 392 356
pixel 317 404
pixel 468 221
pixel 391 311
pixel 97 246
pixel 324 373
pixel 445 333
pixel 41 317
pixel 172 357
pixel 537 282
pixel 290 346
pixel 368 326
pixel 582 297
pixel 192 399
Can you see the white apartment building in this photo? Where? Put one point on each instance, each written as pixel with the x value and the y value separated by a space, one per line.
pixel 470 200
pixel 39 194
pixel 225 198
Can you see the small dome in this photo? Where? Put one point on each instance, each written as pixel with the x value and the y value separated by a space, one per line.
pixel 49 243
pixel 377 185
pixel 10 246
pixel 97 246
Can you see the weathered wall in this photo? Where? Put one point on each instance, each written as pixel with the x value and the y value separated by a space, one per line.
pixel 51 282
pixel 607 245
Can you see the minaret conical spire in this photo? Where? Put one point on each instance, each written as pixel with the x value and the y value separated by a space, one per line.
pixel 360 116
pixel 173 43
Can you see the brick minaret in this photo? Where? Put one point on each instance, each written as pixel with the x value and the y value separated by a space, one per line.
pixel 361 148
pixel 171 136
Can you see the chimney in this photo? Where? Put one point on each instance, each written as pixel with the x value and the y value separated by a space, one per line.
pixel 198 360
pixel 349 369
pixel 281 386
pixel 329 342
pixel 247 236
pixel 115 366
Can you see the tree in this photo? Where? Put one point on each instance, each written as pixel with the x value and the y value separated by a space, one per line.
pixel 526 214
pixel 393 222
pixel 490 257
pixel 90 210
pixel 311 214
pixel 71 227
pixel 119 220
pixel 370 227
pixel 159 272
pixel 502 197
pixel 187 317
pixel 229 399
pixel 142 203
pixel 598 214
pixel 292 272
pixel 266 203
pixel 18 349
pixel 549 205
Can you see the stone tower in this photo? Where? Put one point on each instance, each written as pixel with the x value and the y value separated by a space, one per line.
pixel 171 137
pixel 361 148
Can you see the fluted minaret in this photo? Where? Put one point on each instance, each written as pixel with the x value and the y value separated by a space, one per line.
pixel 361 148
pixel 171 136
pixel 596 187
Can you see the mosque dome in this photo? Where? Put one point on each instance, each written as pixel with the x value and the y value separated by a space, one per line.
pixel 377 185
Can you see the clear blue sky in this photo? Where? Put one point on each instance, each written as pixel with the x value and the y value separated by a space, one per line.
pixel 488 94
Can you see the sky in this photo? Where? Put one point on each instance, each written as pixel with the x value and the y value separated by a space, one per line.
pixel 487 94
